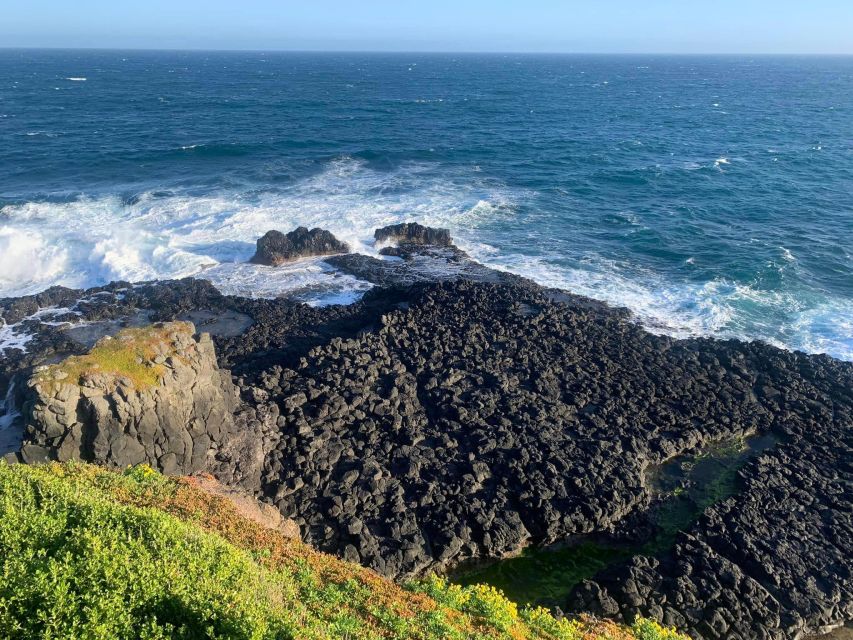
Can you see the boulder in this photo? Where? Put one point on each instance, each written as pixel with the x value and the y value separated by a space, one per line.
pixel 276 248
pixel 153 395
pixel 413 233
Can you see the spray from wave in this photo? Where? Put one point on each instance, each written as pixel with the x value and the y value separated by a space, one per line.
pixel 92 241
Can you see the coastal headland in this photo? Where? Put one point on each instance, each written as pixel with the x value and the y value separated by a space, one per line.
pixel 456 416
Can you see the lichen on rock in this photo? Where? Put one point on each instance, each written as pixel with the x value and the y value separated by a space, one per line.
pixel 153 395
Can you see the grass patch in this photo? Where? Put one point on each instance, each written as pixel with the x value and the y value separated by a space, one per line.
pixel 129 356
pixel 87 553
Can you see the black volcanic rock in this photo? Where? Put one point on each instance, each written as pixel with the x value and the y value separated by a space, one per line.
pixel 454 414
pixel 413 233
pixel 276 248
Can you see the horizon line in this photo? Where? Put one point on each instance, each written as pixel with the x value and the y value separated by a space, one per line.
pixel 430 51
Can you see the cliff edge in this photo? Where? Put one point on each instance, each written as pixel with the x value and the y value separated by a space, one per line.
pixel 151 395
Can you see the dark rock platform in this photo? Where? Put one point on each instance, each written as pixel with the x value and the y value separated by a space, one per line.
pixel 466 415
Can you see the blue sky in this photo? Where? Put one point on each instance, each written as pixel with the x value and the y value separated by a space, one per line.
pixel 617 26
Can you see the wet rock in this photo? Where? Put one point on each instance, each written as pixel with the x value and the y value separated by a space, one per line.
pixel 413 233
pixel 276 248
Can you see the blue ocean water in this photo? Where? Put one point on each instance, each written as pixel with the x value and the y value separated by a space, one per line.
pixel 711 195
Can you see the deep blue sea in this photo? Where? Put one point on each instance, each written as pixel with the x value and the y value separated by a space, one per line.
pixel 710 195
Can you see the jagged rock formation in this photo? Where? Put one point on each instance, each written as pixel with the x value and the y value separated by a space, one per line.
pixel 152 395
pixel 276 248
pixel 482 418
pixel 407 233
pixel 776 559
pixel 441 419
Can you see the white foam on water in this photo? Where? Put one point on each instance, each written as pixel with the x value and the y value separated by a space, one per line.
pixel 16 336
pixel 718 308
pixel 91 241
pixel 27 260
pixel 11 337
pixel 77 79
pixel 787 255
pixel 310 280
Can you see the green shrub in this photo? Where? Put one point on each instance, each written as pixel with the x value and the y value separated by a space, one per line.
pixel 87 554
pixel 540 620
pixel 489 603
pixel 645 629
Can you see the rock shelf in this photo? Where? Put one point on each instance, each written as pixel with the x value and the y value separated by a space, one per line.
pixel 456 413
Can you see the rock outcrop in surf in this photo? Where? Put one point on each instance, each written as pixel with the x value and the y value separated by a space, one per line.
pixel 276 248
pixel 413 233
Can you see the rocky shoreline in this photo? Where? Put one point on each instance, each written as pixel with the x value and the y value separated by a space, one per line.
pixel 457 413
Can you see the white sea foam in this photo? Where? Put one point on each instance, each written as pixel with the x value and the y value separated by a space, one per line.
pixel 77 79
pixel 16 336
pixel 719 308
pixel 28 261
pixel 91 241
pixel 11 337
pixel 94 240
pixel 311 281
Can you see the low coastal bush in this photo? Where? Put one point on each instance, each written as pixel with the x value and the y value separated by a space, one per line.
pixel 645 629
pixel 89 554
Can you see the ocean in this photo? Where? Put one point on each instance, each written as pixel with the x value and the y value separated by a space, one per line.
pixel 712 196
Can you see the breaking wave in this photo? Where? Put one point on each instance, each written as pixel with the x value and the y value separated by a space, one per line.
pixel 157 235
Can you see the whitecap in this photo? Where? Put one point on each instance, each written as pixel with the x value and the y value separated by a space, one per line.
pixel 91 241
pixel 78 79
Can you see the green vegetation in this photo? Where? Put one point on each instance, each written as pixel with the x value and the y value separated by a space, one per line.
pixel 545 576
pixel 129 355
pixel 89 554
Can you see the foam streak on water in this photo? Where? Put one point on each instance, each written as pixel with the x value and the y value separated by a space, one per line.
pixel 91 241
pixel 711 196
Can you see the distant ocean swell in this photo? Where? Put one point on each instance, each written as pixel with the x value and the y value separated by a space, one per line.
pixel 88 241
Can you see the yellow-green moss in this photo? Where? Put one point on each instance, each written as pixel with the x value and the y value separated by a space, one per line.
pixel 128 355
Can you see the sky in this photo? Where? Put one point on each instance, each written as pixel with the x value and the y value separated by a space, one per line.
pixel 574 26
